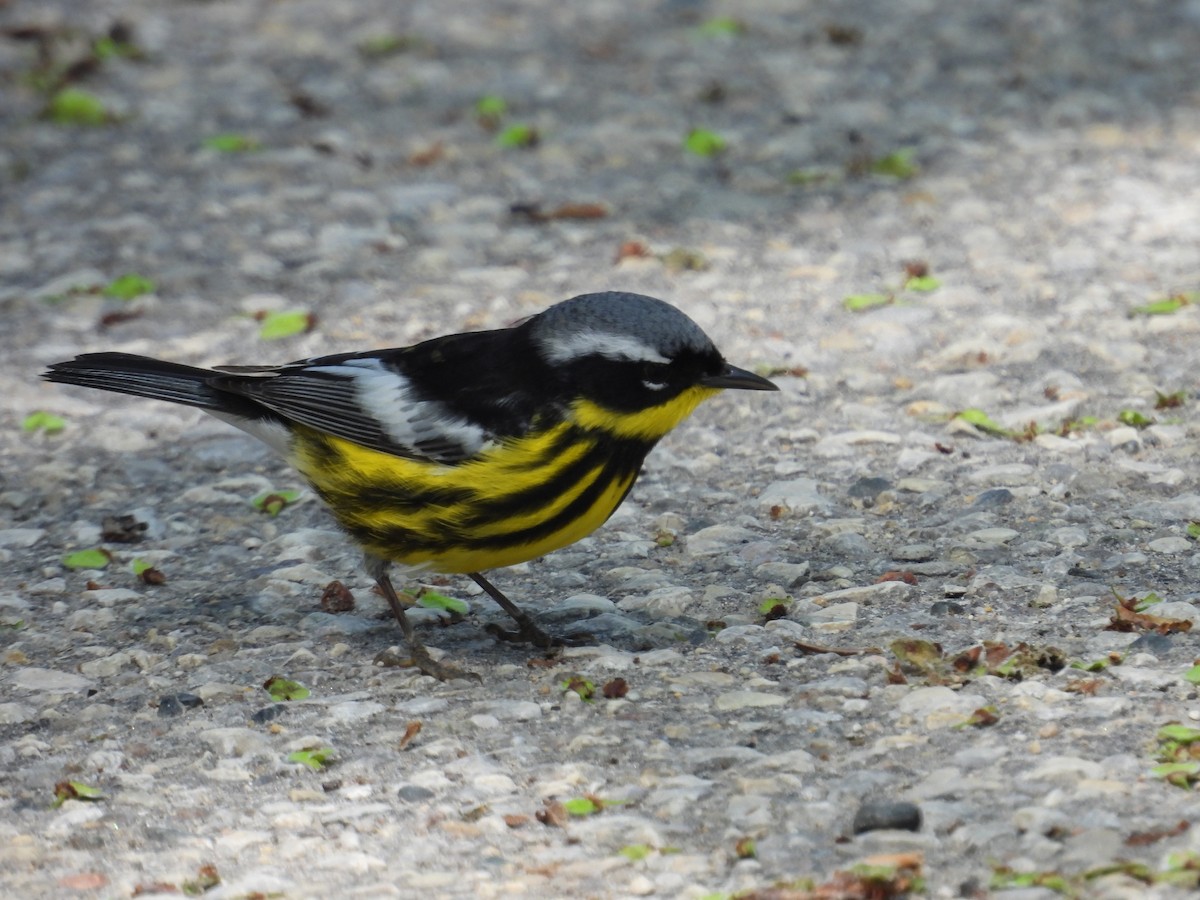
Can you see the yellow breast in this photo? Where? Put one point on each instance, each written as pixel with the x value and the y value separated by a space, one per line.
pixel 517 500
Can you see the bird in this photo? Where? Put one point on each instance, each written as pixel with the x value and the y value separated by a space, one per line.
pixel 467 452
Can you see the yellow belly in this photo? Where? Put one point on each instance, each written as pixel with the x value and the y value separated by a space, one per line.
pixel 520 499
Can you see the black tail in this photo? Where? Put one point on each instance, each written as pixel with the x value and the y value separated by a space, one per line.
pixel 142 376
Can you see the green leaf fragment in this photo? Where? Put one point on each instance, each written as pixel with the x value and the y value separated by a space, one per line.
pixel 316 759
pixel 581 806
pixel 87 559
pixel 807 177
pixel 108 47
pixel 517 136
pixel 635 852
pixel 138 566
pixel 382 45
pixel 285 323
pixel 983 422
pixel 721 26
pixel 231 143
pixel 283 689
pixel 703 142
pixel 1134 418
pixel 1166 770
pixel 1096 665
pixel 434 600
pixel 922 283
pixel 899 164
pixel 1193 530
pixel 75 790
pixel 581 686
pixel 771 604
pixel 1167 306
pixel 1151 599
pixel 1192 675
pixel 43 421
pixel 1179 734
pixel 490 106
pixel 71 106
pixel 129 286
pixel 274 502
pixel 859 302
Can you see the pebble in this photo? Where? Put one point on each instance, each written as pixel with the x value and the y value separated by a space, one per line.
pixel 938 706
pixel 30 678
pixel 1171 545
pixel 20 537
pixel 512 710
pixel 834 617
pixel 799 497
pixel 735 700
pixel 883 592
pixel 717 539
pixel 876 815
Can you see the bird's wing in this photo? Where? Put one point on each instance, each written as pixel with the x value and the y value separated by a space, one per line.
pixel 363 398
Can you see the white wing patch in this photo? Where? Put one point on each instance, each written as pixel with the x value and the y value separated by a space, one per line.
pixel 272 433
pixel 424 426
pixel 563 348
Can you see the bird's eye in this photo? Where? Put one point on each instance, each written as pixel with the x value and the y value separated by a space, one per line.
pixel 654 376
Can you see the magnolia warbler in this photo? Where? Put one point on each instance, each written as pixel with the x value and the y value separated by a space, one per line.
pixel 466 452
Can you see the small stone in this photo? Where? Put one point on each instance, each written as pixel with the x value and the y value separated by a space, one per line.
pixel 994 536
pixel 734 700
pixel 938 706
pixel 34 679
pixel 268 713
pixel 1004 474
pixel 169 706
pixel 236 742
pixel 20 537
pixel 354 710
pixel 1175 609
pixel 883 592
pixel 1154 643
pixel 946 608
pixel 877 815
pixel 835 617
pixel 1066 768
pixel 798 496
pixel 914 553
pixel 513 710
pixel 1171 545
pixel 105 666
pixel 868 488
pixel 414 793
pixel 14 713
pixel 110 596
pixel 718 539
pixel 992 498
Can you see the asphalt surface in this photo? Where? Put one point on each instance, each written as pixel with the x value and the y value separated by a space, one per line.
pixel 1038 160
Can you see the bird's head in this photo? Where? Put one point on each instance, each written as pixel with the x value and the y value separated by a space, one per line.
pixel 630 354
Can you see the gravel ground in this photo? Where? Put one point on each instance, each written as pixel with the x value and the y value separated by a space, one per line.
pixel 1057 149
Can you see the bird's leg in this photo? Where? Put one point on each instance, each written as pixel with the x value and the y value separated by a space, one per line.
pixel 420 656
pixel 527 631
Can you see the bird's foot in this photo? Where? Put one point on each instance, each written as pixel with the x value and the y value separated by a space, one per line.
pixel 528 633
pixel 419 658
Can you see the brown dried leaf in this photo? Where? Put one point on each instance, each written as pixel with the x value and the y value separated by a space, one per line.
pixel 1143 838
pixel 337 598
pixel 554 815
pixel 411 730
pixel 615 689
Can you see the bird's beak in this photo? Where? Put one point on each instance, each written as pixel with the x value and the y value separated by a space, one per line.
pixel 738 379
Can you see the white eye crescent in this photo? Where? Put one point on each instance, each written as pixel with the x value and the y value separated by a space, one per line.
pixel 653 384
